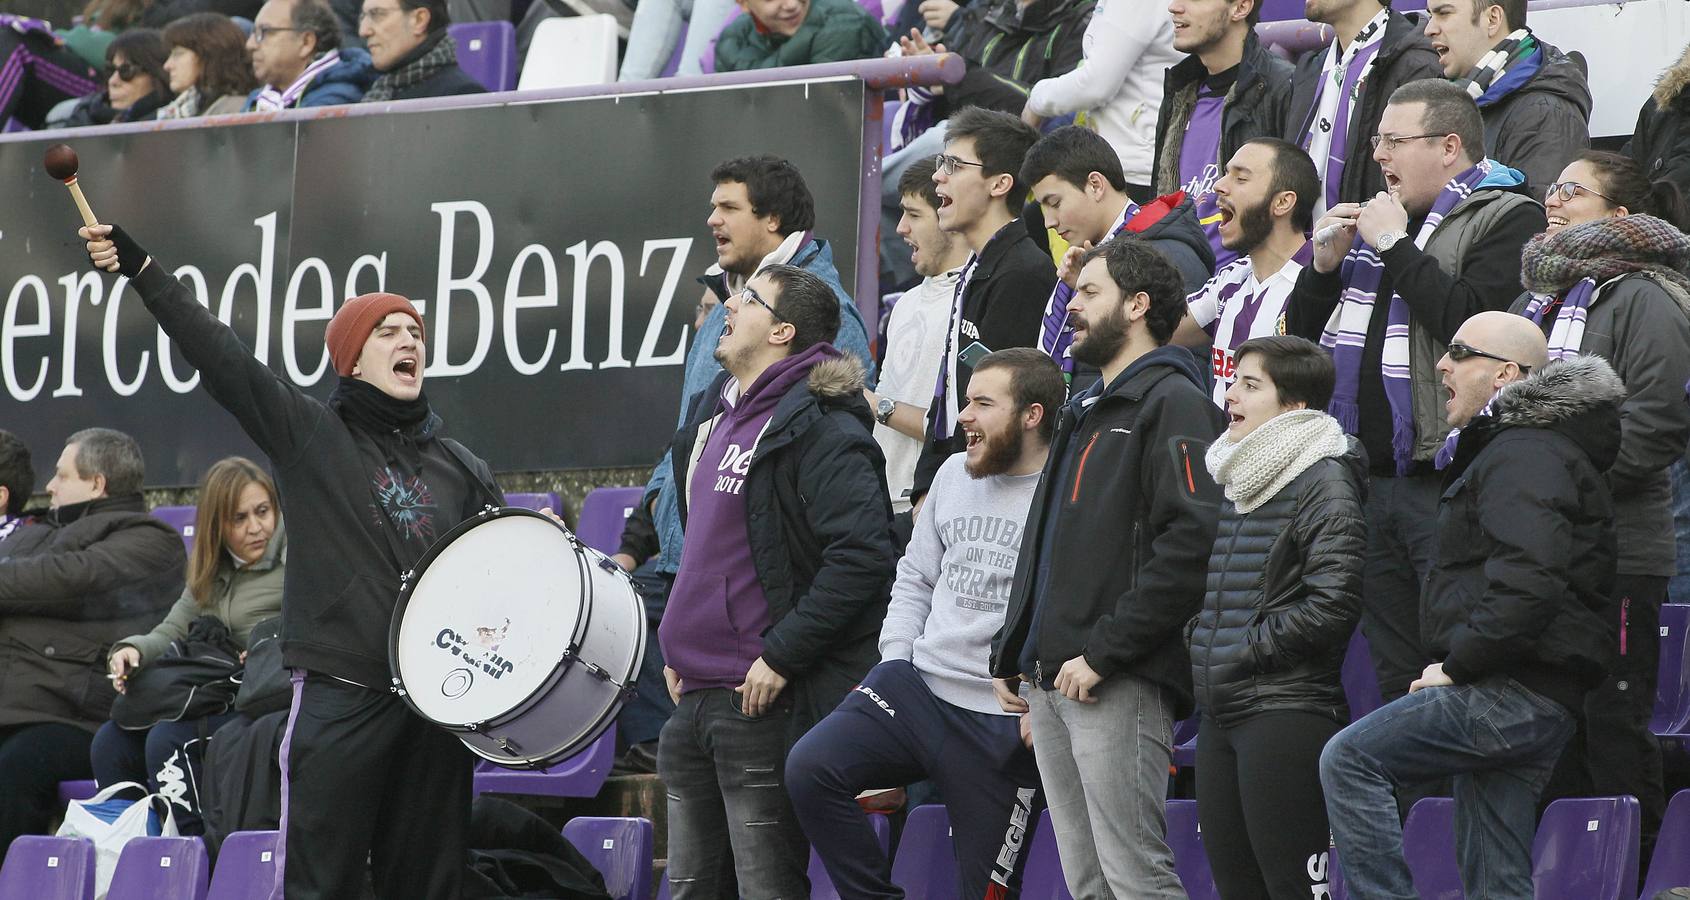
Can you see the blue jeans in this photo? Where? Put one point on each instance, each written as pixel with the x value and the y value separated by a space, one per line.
pixel 1498 739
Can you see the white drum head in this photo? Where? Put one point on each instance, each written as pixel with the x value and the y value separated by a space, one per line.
pixel 489 619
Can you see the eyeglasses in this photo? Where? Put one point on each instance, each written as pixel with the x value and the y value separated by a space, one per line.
pixel 948 163
pixel 747 293
pixel 1566 190
pixel 260 32
pixel 1391 141
pixel 126 72
pixel 1459 351
pixel 375 15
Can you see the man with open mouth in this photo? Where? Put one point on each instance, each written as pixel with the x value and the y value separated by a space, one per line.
pixel 1388 286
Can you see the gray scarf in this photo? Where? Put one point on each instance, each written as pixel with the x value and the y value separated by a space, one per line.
pixel 423 63
pixel 1258 467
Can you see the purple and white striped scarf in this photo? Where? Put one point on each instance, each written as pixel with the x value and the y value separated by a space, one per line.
pixel 272 100
pixel 1346 331
pixel 1567 334
pixel 1055 337
pixel 1446 453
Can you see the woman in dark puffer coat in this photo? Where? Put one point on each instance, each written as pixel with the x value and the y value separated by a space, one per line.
pixel 1284 595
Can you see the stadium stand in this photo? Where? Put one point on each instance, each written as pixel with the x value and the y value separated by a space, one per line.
pixel 152 868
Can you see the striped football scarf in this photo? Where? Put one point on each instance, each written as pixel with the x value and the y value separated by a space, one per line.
pixel 1055 337
pixel 1346 331
pixel 1515 47
pixel 271 100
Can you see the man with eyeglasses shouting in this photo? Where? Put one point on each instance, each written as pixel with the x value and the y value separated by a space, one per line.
pixel 1000 296
pixel 296 53
pixel 411 49
pixel 1390 283
pixel 1518 601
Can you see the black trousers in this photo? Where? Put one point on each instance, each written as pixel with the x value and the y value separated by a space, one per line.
pixel 1613 751
pixel 1261 807
pixel 33 760
pixel 1402 519
pixel 366 783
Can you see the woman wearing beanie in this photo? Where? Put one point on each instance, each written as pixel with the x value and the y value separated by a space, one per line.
pixel 1607 278
pixel 367 481
pixel 1284 595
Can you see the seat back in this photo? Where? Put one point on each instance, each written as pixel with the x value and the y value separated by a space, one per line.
pixel 154 867
pixel 580 775
pixel 1669 867
pixel 1428 846
pixel 1361 682
pixel 821 886
pixel 48 868
pixel 926 862
pixel 1191 861
pixel 1042 878
pixel 487 52
pixel 246 867
pixel 1587 848
pixel 620 848
pixel 569 51
pixel 603 513
pixel 1672 691
pixel 180 518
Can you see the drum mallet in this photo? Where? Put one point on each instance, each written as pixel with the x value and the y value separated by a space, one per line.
pixel 61 163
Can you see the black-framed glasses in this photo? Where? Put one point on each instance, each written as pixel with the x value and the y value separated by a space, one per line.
pixel 1459 351
pixel 126 71
pixel 748 293
pixel 1391 141
pixel 260 32
pixel 1567 190
pixel 948 163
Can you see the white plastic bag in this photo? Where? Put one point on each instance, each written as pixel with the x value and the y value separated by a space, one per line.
pixel 110 823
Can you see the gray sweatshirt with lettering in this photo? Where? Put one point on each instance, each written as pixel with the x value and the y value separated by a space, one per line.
pixel 953 582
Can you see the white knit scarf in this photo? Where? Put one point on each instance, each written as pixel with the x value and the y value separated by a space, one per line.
pixel 1258 467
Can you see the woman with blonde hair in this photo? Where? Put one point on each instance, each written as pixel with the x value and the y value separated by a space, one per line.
pixel 235 576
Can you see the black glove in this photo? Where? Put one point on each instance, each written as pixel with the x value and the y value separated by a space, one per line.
pixel 130 257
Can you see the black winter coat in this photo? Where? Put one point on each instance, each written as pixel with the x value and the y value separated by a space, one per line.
pixel 1404 55
pixel 1255 107
pixel 1135 523
pixel 72 583
pixel 1541 125
pixel 1009 47
pixel 1661 143
pixel 448 82
pixel 1284 595
pixel 1522 581
pixel 819 523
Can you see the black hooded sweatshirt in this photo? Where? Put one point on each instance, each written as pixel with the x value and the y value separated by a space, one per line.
pixel 363 500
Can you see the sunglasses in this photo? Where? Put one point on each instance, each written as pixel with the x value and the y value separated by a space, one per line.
pixel 1459 351
pixel 1566 190
pixel 126 72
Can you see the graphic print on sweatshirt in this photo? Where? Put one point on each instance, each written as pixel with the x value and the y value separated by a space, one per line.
pixel 732 468
pixel 980 564
pixel 407 502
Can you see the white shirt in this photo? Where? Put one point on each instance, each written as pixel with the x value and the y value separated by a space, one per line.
pixel 1128 47
pixel 1221 319
pixel 1333 73
pixel 915 344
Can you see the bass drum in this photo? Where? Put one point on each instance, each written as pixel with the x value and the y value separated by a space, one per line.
pixel 517 637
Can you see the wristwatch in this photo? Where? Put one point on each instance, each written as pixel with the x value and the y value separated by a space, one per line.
pixel 1389 239
pixel 884 409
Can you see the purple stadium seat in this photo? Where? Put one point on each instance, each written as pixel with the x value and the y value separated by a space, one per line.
pixel 1042 879
pixel 535 502
pixel 77 790
pixel 487 52
pixel 821 886
pixel 13 125
pixel 1672 694
pixel 246 867
pixel 580 775
pixel 1191 861
pixel 1185 742
pixel 926 863
pixel 1361 683
pixel 180 518
pixel 48 868
pixel 1586 849
pixel 619 848
pixel 1670 865
pixel 158 867
pixel 603 513
pixel 1428 846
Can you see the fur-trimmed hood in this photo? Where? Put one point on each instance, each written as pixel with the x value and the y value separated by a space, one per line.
pixel 841 376
pixel 1673 81
pixel 1579 397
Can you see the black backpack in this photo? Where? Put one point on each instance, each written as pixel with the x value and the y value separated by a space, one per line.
pixel 197 677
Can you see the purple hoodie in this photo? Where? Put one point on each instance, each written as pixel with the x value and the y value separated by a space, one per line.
pixel 712 630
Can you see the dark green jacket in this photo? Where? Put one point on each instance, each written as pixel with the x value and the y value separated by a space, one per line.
pixel 834 31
